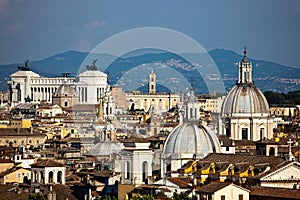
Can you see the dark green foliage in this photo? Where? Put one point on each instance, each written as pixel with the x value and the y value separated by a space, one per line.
pixel 181 196
pixel 281 99
pixel 38 196
pixel 27 99
pixel 109 198
pixel 144 197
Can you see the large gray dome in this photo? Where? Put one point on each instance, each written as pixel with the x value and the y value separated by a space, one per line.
pixel 190 139
pixel 106 149
pixel 245 99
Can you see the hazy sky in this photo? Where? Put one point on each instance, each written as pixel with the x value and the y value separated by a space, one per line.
pixel 35 29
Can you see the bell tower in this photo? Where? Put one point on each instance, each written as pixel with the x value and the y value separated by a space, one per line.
pixel 152 83
pixel 245 70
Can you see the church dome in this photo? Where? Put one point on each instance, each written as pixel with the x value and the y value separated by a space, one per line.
pixel 189 139
pixel 65 90
pixel 106 148
pixel 245 99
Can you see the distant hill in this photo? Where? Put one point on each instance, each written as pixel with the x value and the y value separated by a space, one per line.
pixel 267 75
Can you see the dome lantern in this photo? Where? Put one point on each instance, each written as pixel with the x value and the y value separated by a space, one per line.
pixel 245 70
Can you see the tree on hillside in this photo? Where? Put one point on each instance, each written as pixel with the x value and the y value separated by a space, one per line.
pixel 274 98
pixel 181 196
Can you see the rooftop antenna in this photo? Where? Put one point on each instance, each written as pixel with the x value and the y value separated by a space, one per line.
pixel 192 83
pixel 245 54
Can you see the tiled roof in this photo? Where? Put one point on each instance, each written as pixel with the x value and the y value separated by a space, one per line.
pixel 266 141
pixel 212 187
pixel 5 161
pixel 17 132
pixel 282 165
pixel 135 140
pixel 46 163
pixel 244 143
pixel 83 107
pixel 278 193
pixel 181 182
pixel 5 194
pixel 286 149
pixel 250 159
pixel 225 141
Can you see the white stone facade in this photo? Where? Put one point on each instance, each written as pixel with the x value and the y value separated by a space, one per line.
pixel 90 86
pixel 287 176
pixel 157 102
pixel 245 110
pixel 48 175
pixel 232 192
pixel 136 163
pixel 24 84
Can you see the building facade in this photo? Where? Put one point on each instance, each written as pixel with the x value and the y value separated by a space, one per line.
pixel 136 162
pixel 245 110
pixel 28 86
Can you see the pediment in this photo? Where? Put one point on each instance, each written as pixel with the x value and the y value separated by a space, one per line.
pixel 290 171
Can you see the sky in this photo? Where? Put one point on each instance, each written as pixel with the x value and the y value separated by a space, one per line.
pixel 36 29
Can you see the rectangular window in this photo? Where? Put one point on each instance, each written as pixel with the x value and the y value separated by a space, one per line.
pixel 262 133
pixel 244 134
pixel 241 197
pixel 222 197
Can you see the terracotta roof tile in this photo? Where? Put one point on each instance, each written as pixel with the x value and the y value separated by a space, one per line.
pixel 275 192
pixel 245 159
pixel 244 143
pixel 181 182
pixel 212 187
pixel 46 163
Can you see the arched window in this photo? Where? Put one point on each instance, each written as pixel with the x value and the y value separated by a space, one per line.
pixel 127 170
pixel 155 131
pixel 34 176
pixel 50 177
pixel 244 133
pixel 66 104
pixel 272 151
pixel 145 171
pixel 42 177
pixel 59 177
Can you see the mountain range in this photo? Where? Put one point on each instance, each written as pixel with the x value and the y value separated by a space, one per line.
pixel 267 75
